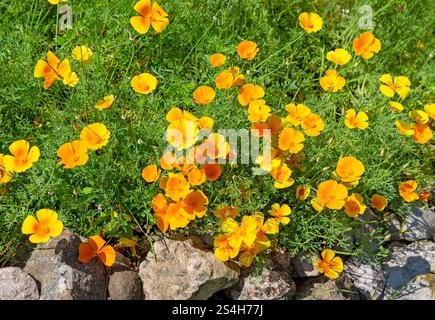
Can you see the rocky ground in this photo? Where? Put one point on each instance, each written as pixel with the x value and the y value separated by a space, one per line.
pixel 186 268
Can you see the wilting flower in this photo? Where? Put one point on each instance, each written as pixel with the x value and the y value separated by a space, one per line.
pixel 302 192
pixel 217 59
pixel 396 107
pixel 205 123
pixel 5 175
pixel 339 56
pixel 354 205
pixel 73 154
pixel 296 113
pixel 332 81
pixel 258 111
pixel 247 50
pixel 151 173
pixel 95 136
pixel 248 93
pixel 47 225
pixel 212 171
pixel 379 202
pixel 97 247
pixel 419 116
pixel 430 110
pixel 330 265
pixel 53 69
pixel 144 83
pixel 154 16
pixel 354 120
pixel 281 213
pixel 229 78
pixel 312 124
pixel 282 177
pixel 176 187
pixel 366 45
pixel 22 158
pixel 424 195
pixel 331 194
pixel 105 103
pixel 291 140
pixel 349 169
pixel 128 243
pixel 407 190
pixel 225 212
pixel 82 53
pixel 405 128
pixel 310 22
pixel 195 204
pixel 422 133
pixel 203 95
pixel 399 84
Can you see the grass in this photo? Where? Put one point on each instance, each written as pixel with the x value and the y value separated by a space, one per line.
pixel 288 66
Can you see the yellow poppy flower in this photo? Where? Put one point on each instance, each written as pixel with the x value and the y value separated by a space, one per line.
pixel 46 225
pixel 22 158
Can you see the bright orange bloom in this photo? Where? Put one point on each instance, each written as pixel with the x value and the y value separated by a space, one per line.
pixel 47 225
pixel 159 203
pixel 379 202
pixel 176 114
pixel 258 111
pixel 151 173
pixel 247 50
pixel 223 250
pixel 22 158
pixel 73 154
pixel 302 192
pixel 95 136
pixel 349 169
pixel 366 45
pixel 212 171
pixel 405 128
pixel 196 176
pixel 196 204
pixel 225 212
pixel 281 213
pixel 5 175
pixel 97 247
pixel 422 133
pixel 53 69
pixel 354 205
pixel 424 195
pixel 168 161
pixel 248 93
pixel 205 123
pixel 339 56
pixel 430 110
pixel 407 190
pixel 182 134
pixel 332 81
pixel 282 177
pixel 296 113
pixel 203 95
pixel 105 103
pixel 215 146
pixel 354 120
pixel 177 186
pixel 144 83
pixel 330 265
pixel 154 16
pixel 400 85
pixel 230 78
pixel 331 194
pixel 418 116
pixel 312 124
pixel 310 21
pixel 217 59
pixel 291 140
pixel 275 124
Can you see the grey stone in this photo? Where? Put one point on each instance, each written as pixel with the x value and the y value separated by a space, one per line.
pixel 61 276
pixel 395 228
pixel 15 284
pixel 303 266
pixel 183 269
pixel 125 285
pixel 419 224
pixel 321 288
pixel 122 263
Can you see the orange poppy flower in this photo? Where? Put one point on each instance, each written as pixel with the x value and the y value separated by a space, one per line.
pixel 168 161
pixel 196 176
pixel 177 186
pixel 5 175
pixel 407 190
pixel 349 169
pixel 317 205
pixel 338 56
pixel 331 194
pixel 330 265
pixel 225 212
pixel 430 110
pixel 424 195
pixel 105 103
pixel 396 107
pixel 82 53
pixel 332 81
pixel 223 250
pixel 275 124
pixel 302 192
pixel 22 158
pixel 230 78
pixel 312 124
pixel 144 83
pixel 153 16
pixel 47 225
pixel 422 133
pixel 354 205
pixel 217 59
pixel 310 21
pixel 176 114
pixel 159 203
pixel 196 204
pixel 248 93
pixel 97 247
pixel 247 50
pixel 73 154
pixel 205 123
pixel 379 202
pixel 182 134
pixel 151 173
pixel 418 116
pixel 296 113
pixel 203 95
pixel 174 217
pixel 354 120
pixel 400 85
pixel 212 171
pixel 95 136
pixel 258 111
pixel 405 128
pixel 366 45
pixel 53 69
pixel 291 140
pixel 281 213
pixel 282 177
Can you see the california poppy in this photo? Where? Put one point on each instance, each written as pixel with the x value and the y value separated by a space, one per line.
pixel 73 154
pixel 53 69
pixel 310 21
pixel 45 226
pixel 330 265
pixel 22 158
pixel 153 16
pixel 95 136
pixel 97 247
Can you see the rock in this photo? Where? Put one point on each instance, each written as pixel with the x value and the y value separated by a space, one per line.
pixel 122 263
pixel 395 228
pixel 419 224
pixel 125 285
pixel 15 284
pixel 321 288
pixel 367 279
pixel 303 266
pixel 183 269
pixel 368 235
pixel 61 276
pixel 409 271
